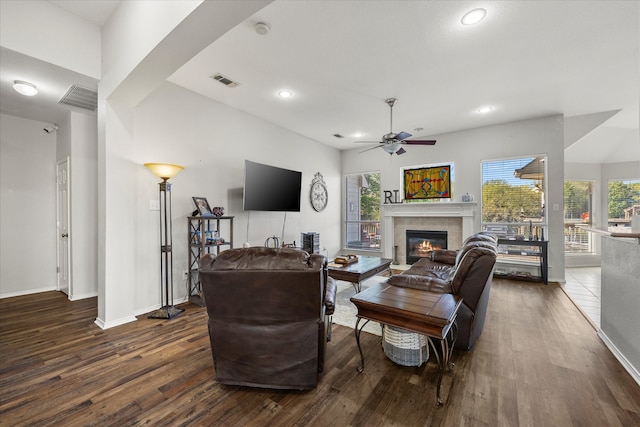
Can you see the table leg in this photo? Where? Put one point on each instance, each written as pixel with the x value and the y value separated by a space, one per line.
pixel 358 331
pixel 357 287
pixel 444 362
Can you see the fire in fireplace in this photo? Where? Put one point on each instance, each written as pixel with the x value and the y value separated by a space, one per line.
pixel 421 242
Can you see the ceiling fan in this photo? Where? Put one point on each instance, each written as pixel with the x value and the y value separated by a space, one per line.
pixel 392 142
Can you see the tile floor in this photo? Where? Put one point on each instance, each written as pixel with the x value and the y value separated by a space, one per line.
pixel 582 284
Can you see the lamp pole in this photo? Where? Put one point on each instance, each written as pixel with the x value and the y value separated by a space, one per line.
pixel 167 310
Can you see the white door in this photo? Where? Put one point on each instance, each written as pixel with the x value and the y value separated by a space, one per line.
pixel 64 247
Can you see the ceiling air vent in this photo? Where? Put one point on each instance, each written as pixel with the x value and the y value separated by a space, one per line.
pixel 337 135
pixel 224 80
pixel 80 97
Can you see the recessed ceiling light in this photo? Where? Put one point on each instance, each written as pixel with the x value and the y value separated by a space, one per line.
pixel 285 94
pixel 25 88
pixel 261 28
pixel 358 135
pixel 473 17
pixel 485 110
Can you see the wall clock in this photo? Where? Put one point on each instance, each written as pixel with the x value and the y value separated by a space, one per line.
pixel 318 194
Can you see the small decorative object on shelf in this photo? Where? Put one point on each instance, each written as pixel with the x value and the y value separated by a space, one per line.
pixel 203 205
pixel 467 197
pixel 310 242
pixel 218 211
pixel 272 242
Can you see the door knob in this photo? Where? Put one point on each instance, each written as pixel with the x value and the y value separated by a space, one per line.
pixel 65 235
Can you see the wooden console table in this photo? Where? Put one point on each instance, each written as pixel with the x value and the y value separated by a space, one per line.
pixel 431 314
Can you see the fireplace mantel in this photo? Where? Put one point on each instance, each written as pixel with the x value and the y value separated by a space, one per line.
pixel 464 210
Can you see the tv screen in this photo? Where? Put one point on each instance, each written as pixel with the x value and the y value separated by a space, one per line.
pixel 269 188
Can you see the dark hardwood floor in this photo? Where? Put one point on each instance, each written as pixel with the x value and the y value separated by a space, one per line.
pixel 537 363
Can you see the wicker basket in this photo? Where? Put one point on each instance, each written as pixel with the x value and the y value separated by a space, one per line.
pixel 404 347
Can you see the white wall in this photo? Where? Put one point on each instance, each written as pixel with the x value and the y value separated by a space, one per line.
pixel 131 73
pixel 77 141
pixel 44 31
pixel 212 141
pixel 466 150
pixel 84 205
pixel 27 207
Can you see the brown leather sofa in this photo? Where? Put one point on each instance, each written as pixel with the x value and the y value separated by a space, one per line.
pixel 269 316
pixel 467 272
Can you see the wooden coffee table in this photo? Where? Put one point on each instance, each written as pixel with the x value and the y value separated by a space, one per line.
pixel 365 267
pixel 432 314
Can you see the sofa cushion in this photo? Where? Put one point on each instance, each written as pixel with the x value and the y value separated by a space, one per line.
pixel 446 256
pixel 470 258
pixel 427 267
pixel 261 258
pixel 423 282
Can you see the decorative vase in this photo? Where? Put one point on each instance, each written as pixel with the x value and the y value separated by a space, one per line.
pixel 217 211
pixel 467 197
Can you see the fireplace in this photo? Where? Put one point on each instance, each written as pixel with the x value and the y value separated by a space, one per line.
pixel 420 243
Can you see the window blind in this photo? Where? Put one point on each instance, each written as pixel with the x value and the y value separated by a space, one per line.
pixel 513 191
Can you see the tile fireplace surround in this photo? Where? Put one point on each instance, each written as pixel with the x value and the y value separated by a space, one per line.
pixel 454 217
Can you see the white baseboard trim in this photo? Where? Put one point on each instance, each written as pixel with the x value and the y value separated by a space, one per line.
pixel 106 325
pixel 28 292
pixel 618 355
pixel 83 296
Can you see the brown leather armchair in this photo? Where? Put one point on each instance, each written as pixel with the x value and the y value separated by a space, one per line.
pixel 470 277
pixel 269 316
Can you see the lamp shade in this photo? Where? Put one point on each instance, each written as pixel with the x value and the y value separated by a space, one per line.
pixel 164 170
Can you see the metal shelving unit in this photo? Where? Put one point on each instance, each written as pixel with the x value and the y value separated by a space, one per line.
pixel 205 237
pixel 524 252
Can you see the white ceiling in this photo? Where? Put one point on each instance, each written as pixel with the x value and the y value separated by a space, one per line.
pixel 342 59
pixel 95 11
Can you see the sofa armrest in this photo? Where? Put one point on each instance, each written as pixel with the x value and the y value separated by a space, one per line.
pixel 330 296
pixel 445 256
pixel 425 283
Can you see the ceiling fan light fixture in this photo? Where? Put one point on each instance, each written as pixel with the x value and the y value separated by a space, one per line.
pixel 474 16
pixel 25 88
pixel 391 148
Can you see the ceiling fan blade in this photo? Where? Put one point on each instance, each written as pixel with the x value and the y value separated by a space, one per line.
pixel 421 142
pixel 401 151
pixel 371 148
pixel 402 135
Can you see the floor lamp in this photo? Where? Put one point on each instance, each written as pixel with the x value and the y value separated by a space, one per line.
pixel 165 171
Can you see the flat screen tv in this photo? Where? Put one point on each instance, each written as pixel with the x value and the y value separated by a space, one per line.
pixel 269 188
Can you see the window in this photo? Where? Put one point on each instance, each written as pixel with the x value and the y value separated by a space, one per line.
pixel 623 202
pixel 363 211
pixel 513 199
pixel 578 203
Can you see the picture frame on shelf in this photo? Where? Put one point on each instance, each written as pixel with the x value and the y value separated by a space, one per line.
pixel 203 206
